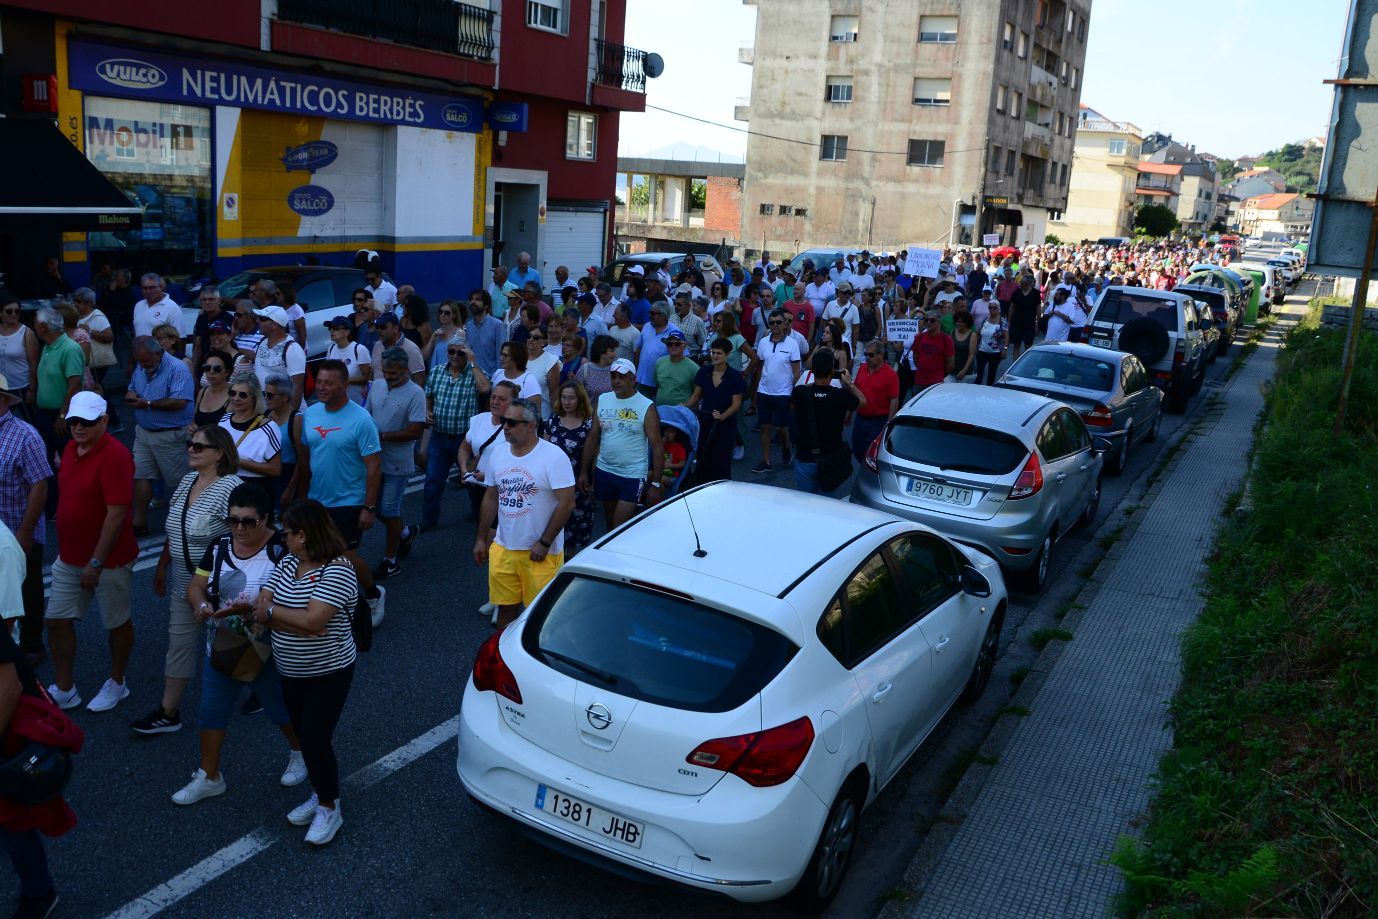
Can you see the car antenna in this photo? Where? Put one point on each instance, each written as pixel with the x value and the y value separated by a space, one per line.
pixel 699 550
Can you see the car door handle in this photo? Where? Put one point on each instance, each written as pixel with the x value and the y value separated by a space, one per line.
pixel 880 694
pixel 1085 466
pixel 942 643
pixel 1059 477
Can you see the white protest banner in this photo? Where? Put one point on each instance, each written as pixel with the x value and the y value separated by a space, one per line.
pixel 990 239
pixel 922 263
pixel 901 330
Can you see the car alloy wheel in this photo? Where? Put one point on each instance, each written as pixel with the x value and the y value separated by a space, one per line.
pixel 1032 580
pixel 833 854
pixel 985 660
pixel 1116 466
pixel 1157 423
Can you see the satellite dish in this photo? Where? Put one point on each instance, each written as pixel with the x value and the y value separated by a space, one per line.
pixel 653 65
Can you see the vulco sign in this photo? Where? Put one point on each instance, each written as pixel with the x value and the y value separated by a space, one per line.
pixel 130 73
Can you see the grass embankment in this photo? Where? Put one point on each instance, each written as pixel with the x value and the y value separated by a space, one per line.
pixel 1268 803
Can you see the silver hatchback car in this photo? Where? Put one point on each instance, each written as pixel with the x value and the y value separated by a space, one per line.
pixel 1005 471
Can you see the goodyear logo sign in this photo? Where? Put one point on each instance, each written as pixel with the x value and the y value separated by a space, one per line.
pixel 312 156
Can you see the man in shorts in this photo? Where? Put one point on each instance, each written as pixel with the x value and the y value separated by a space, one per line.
pixel 162 395
pixel 398 407
pixel 623 443
pixel 341 466
pixel 530 493
pixel 779 358
pixel 96 551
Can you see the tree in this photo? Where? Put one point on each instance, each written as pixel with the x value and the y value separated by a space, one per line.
pixel 1155 220
pixel 1225 170
pixel 698 195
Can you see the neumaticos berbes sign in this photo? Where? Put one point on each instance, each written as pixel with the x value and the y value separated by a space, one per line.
pixel 114 70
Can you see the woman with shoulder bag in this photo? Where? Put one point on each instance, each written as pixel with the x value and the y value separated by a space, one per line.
pixel 195 519
pixel 234 568
pixel 255 434
pixel 307 605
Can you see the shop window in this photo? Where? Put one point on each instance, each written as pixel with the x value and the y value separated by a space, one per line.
pixel 581 131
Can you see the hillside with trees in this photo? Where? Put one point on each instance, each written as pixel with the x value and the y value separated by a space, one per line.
pixel 1300 166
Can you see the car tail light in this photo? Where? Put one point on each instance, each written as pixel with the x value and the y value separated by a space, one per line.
pixel 1098 417
pixel 761 758
pixel 1030 479
pixel 1180 355
pixel 873 453
pixel 1014 550
pixel 491 673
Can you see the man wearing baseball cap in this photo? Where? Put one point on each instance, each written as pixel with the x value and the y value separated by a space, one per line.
pixel 390 336
pixel 650 347
pixel 278 353
pixel 96 550
pixel 623 446
pixel 350 353
pixel 675 372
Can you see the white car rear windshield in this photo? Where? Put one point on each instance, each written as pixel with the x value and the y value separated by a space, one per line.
pixel 1120 306
pixel 955 446
pixel 648 645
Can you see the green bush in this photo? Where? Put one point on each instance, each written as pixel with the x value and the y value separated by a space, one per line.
pixel 1266 805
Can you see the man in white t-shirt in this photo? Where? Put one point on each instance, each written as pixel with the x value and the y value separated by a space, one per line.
pixel 820 292
pixel 383 290
pixel 843 308
pixel 1064 314
pixel 780 357
pixel 278 352
pixel 530 493
pixel 156 308
pixel 839 271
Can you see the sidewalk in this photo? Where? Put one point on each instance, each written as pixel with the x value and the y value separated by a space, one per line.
pixel 1075 773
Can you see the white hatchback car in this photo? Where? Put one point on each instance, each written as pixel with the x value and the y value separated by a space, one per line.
pixel 713 693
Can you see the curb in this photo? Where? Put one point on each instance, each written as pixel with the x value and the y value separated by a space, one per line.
pixel 954 810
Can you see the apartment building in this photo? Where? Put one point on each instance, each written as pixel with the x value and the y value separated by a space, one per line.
pixel 1105 172
pixel 1287 213
pixel 1195 206
pixel 930 122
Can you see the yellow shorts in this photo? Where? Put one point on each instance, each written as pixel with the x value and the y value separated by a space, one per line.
pixel 514 579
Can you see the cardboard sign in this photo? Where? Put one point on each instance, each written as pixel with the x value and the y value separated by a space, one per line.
pixel 922 263
pixel 990 239
pixel 901 330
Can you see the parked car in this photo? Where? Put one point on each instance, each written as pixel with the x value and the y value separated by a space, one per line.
pixel 1005 471
pixel 1109 389
pixel 1273 288
pixel 677 705
pixel 323 292
pixel 1159 327
pixel 615 272
pixel 1219 310
pixel 1232 282
pixel 823 257
pixel 1288 267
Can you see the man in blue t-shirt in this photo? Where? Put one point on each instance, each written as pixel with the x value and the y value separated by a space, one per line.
pixel 340 466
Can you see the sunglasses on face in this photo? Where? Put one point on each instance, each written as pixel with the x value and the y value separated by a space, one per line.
pixel 83 422
pixel 212 368
pixel 246 522
pixel 447 312
pixel 11 311
pixel 535 338
pixel 239 394
pixel 274 395
pixel 513 422
pixel 242 315
pixel 361 299
pixel 195 446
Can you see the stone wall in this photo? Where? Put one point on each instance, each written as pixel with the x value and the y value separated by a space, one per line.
pixel 1336 316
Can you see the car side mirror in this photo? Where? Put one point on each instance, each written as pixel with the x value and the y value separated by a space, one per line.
pixel 974 583
pixel 1101 445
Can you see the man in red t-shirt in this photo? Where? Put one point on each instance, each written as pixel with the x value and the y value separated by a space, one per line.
pixel 879 383
pixel 931 352
pixel 801 313
pixel 96 550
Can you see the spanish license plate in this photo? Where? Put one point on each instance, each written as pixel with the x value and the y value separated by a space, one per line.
pixel 594 819
pixel 1100 342
pixel 934 491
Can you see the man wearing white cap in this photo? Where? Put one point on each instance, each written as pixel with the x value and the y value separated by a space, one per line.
pixel 278 353
pixel 624 443
pixel 96 551
pixel 635 271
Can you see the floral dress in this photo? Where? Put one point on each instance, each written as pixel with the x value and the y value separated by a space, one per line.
pixel 579 528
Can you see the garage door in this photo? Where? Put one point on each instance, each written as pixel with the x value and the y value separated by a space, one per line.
pixel 573 238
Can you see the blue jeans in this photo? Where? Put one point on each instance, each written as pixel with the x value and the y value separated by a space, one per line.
pixel 442 452
pixel 219 693
pixel 30 861
pixel 806 479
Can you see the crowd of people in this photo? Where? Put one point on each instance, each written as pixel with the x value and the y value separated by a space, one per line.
pixel 542 403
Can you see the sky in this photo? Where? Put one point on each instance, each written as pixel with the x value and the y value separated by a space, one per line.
pixel 1233 77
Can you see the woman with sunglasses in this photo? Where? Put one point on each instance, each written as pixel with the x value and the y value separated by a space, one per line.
pixel 278 393
pixel 543 365
pixel 195 519
pixel 19 352
pixel 365 311
pixel 450 318
pixel 718 300
pixel 512 369
pixel 213 401
pixel 236 566
pixel 255 434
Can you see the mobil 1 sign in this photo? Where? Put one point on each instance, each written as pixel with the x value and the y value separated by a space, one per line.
pixel 922 263
pixel 139 73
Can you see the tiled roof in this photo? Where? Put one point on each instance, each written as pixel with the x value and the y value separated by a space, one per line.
pixel 1270 202
pixel 1166 169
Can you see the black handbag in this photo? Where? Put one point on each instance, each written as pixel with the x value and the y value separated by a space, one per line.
pixel 36 774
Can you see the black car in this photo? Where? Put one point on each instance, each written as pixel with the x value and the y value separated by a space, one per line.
pixel 1225 318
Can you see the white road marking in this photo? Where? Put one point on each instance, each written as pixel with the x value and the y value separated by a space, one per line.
pixel 196 877
pixel 246 847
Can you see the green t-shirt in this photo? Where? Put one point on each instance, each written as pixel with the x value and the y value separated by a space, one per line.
pixel 783 293
pixel 949 322
pixel 60 361
pixel 675 380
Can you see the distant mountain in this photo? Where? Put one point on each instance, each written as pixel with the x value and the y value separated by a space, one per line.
pixel 683 151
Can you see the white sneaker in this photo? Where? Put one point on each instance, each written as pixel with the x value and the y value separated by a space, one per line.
pixel 295 773
pixel 110 695
pixel 200 788
pixel 303 813
pixel 738 452
pixel 486 609
pixel 375 608
pixel 326 824
pixel 65 700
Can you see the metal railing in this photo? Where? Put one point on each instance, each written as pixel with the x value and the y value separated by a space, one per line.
pixel 620 67
pixel 438 25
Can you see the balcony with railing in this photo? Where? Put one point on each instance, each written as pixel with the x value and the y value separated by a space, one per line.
pixel 619 76
pixel 435 25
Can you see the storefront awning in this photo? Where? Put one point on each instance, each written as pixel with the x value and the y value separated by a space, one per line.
pixel 47 185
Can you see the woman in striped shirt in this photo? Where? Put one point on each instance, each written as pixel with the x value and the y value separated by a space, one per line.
pixel 307 604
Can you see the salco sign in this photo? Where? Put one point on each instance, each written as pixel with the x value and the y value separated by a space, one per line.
pixel 116 70
pixel 310 200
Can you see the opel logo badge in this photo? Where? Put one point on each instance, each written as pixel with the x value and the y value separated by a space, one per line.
pixel 598 716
